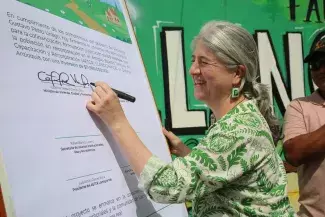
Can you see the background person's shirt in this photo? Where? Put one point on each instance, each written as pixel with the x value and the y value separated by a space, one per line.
pixel 234 171
pixel 305 115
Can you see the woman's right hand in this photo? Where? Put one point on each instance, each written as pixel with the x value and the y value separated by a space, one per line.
pixel 176 146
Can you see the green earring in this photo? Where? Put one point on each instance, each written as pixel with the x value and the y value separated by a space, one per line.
pixel 234 92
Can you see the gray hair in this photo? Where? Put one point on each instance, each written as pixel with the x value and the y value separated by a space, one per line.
pixel 234 45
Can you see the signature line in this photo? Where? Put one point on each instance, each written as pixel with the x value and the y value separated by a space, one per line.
pixel 69 85
pixel 68 137
pixel 88 175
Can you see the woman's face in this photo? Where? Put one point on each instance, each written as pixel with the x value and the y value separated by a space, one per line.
pixel 212 79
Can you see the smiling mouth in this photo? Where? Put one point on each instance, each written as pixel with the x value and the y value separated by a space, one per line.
pixel 199 82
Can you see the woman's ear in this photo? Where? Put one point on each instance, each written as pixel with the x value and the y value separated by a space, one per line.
pixel 239 75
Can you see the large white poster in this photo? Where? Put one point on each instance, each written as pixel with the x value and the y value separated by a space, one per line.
pixel 60 160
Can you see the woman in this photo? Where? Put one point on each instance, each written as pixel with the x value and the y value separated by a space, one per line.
pixel 234 171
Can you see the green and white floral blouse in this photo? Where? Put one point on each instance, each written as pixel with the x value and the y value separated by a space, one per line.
pixel 234 171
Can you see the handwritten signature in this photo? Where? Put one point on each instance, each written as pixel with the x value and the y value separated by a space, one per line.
pixel 63 79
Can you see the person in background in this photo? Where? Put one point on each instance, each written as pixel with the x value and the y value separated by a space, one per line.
pixel 235 170
pixel 304 138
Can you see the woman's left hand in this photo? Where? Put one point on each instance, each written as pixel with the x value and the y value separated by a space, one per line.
pixel 106 105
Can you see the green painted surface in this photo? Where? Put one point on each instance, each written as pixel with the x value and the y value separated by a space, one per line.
pixel 94 14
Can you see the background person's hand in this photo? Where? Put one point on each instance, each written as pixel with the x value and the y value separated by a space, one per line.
pixel 106 105
pixel 176 146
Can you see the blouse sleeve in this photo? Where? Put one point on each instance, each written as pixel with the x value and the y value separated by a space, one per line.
pixel 217 161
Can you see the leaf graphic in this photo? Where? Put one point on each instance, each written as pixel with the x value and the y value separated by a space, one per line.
pixel 222 180
pixel 278 190
pixel 254 159
pixel 251 107
pixel 221 144
pixel 204 159
pixel 163 192
pixel 263 183
pixel 243 107
pixel 192 186
pixel 247 201
pixel 236 187
pixel 250 212
pixel 180 186
pixel 222 163
pixel 198 191
pixel 273 165
pixel 280 204
pixel 244 165
pixel 183 161
pixel 194 181
pixel 166 178
pixel 263 133
pixel 236 155
pixel 195 169
pixel 261 201
pixel 223 126
pixel 217 181
pixel 200 201
pixel 204 143
pixel 198 204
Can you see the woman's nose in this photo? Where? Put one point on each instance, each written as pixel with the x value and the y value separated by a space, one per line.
pixel 195 69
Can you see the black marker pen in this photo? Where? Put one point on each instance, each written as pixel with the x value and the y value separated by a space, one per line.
pixel 120 94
